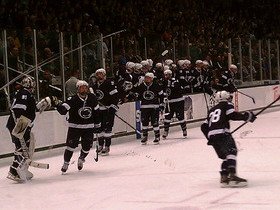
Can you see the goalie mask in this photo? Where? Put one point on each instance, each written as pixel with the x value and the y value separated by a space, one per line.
pixel 82 88
pixel 28 83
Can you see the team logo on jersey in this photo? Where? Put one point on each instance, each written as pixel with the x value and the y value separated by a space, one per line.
pixel 99 94
pixel 85 112
pixel 148 95
pixel 168 91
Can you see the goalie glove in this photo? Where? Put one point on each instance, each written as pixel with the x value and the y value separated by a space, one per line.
pixel 55 101
pixel 44 104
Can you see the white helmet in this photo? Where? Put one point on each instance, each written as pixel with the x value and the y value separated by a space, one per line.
pixel 181 63
pixel 150 61
pixel 149 74
pixel 168 71
pixel 166 68
pixel 232 66
pixel 168 61
pixel 159 65
pixel 144 63
pixel 198 62
pixel 81 83
pixel 130 65
pixel 103 71
pixel 222 96
pixel 28 82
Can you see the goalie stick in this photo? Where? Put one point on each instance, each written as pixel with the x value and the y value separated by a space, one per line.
pixel 29 161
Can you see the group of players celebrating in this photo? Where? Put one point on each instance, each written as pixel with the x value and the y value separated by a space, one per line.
pixel 160 87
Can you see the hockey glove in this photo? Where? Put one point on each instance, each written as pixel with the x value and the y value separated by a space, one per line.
pixel 251 116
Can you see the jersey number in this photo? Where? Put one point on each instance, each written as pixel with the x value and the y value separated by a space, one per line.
pixel 214 116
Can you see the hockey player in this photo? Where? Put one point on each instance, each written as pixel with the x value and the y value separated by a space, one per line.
pixel 151 96
pixel 226 80
pixel 216 129
pixel 107 96
pixel 22 114
pixel 174 103
pixel 83 121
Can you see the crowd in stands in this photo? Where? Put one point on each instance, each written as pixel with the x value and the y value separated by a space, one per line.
pixel 205 24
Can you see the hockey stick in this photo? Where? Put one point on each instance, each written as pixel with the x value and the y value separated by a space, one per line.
pixel 96 149
pixel 269 105
pixel 122 119
pixel 128 124
pixel 247 96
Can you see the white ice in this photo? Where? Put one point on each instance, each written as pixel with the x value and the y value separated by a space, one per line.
pixel 178 174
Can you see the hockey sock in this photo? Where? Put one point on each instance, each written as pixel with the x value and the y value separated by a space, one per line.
pixel 184 126
pixel 231 162
pixel 67 155
pixel 156 131
pixel 101 141
pixel 224 167
pixel 108 142
pixel 166 126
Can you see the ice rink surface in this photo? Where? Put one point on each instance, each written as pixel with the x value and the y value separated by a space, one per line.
pixel 178 174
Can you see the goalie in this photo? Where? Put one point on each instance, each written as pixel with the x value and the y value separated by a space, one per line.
pixel 22 114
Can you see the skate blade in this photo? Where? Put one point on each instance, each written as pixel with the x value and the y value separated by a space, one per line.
pixel 236 185
pixel 104 154
pixel 16 179
pixel 143 143
pixel 156 143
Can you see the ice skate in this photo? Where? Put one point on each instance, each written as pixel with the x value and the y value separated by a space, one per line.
pixel 144 140
pixel 64 167
pixel 185 133
pixel 224 181
pixel 15 178
pixel 165 134
pixel 235 181
pixel 156 141
pixel 105 151
pixel 80 163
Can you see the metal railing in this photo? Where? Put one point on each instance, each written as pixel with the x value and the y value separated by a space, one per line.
pixel 51 58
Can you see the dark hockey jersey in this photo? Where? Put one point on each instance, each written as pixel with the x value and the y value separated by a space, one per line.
pixel 173 90
pixel 219 117
pixel 23 104
pixel 226 82
pixel 106 94
pixel 83 113
pixel 184 77
pixel 151 96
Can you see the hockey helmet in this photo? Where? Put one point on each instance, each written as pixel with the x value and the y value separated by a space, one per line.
pixel 81 83
pixel 168 71
pixel 159 65
pixel 223 96
pixel 144 63
pixel 130 65
pixel 149 74
pixel 168 61
pixel 102 71
pixel 150 61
